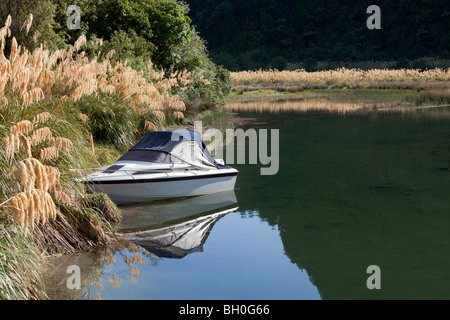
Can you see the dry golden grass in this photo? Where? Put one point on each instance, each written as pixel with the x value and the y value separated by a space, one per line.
pixel 25 144
pixel 295 106
pixel 34 204
pixel 91 143
pixel 35 182
pixel 178 115
pixel 23 126
pixel 83 117
pixel 27 78
pixel 49 153
pixel 133 280
pixel 62 143
pixel 42 117
pixel 27 23
pixel 160 115
pixel 340 75
pixel 150 126
pixel 17 140
pixel 40 135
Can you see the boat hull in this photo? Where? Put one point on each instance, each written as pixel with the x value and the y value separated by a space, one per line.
pixel 148 189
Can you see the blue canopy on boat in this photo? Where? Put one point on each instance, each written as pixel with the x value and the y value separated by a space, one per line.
pixel 165 142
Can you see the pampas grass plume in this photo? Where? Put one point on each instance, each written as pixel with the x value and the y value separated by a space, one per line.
pixel 25 144
pixel 41 117
pixel 150 126
pixel 178 115
pixel 92 145
pixel 83 117
pixel 49 153
pixel 39 135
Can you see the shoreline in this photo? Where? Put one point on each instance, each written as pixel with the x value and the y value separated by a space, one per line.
pixel 371 98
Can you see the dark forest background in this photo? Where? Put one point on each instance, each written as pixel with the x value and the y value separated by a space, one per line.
pixel 321 34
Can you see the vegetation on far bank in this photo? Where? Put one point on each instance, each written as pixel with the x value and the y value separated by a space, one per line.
pixel 297 80
pixel 321 35
pixel 419 87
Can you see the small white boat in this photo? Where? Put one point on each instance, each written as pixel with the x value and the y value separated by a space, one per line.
pixel 162 165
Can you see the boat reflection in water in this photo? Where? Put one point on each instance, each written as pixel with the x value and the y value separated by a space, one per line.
pixel 174 229
pixel 148 232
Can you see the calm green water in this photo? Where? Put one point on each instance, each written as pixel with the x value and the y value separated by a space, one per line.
pixel 352 191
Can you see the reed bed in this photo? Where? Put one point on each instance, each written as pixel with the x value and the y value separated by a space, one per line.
pixel 341 75
pixel 295 106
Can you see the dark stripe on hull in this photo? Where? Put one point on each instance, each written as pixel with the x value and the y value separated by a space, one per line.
pixel 169 179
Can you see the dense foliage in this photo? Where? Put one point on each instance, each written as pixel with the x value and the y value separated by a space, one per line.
pixel 255 34
pixel 137 30
pixel 164 24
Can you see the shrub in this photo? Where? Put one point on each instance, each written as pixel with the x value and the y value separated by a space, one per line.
pixel 110 120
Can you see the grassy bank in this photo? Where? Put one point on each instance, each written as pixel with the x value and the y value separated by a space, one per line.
pixel 409 86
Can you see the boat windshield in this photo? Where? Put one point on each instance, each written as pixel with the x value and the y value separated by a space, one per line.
pixel 149 156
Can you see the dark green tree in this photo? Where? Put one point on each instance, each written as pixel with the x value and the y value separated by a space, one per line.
pixel 322 30
pixel 162 23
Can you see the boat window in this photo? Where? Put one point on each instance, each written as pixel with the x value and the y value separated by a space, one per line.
pixel 112 169
pixel 150 171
